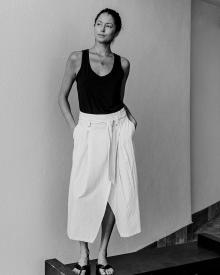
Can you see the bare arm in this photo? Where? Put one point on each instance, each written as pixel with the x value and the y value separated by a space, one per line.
pixel 67 82
pixel 126 68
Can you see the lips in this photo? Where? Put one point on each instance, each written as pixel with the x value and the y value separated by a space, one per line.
pixel 102 35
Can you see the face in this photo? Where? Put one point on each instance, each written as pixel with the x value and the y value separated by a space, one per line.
pixel 104 28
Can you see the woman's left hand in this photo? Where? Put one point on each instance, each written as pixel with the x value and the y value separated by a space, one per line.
pixel 133 121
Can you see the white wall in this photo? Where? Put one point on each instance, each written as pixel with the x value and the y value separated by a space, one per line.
pixel 205 104
pixel 36 144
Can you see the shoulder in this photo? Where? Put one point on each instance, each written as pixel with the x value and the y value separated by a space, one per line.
pixel 74 60
pixel 125 64
pixel 74 56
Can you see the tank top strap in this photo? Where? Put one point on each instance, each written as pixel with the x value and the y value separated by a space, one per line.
pixel 85 57
pixel 83 64
pixel 118 63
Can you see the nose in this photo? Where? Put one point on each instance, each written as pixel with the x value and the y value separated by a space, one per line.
pixel 102 28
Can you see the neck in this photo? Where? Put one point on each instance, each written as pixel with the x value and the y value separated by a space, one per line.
pixel 102 49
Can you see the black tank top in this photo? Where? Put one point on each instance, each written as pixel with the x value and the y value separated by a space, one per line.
pixel 99 94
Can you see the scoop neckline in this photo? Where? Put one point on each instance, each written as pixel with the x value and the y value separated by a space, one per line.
pixel 101 76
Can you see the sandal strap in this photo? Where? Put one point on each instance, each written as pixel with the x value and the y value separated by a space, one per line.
pixel 83 267
pixel 100 266
pixel 107 266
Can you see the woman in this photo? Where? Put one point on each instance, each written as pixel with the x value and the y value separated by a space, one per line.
pixel 103 183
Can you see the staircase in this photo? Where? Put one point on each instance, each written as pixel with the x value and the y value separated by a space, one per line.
pixel 200 257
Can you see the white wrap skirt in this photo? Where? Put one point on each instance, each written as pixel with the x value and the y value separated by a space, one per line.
pixel 103 170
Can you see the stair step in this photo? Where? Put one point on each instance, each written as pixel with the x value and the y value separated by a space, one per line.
pixel 211 227
pixel 164 259
pixel 193 258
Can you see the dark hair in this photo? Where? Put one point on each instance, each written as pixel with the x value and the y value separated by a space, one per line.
pixel 115 15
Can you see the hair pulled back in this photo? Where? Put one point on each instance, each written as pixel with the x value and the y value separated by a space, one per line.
pixel 115 15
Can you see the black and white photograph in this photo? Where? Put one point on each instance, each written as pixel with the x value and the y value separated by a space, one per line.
pixel 110 157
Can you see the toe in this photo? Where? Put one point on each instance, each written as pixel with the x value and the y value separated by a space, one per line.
pixel 102 271
pixel 110 271
pixel 75 270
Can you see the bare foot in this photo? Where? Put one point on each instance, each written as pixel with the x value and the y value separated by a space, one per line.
pixel 83 260
pixel 103 260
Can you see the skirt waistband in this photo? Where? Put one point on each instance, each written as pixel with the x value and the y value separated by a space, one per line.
pixel 102 117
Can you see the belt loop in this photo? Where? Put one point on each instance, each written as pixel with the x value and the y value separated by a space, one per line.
pixel 89 125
